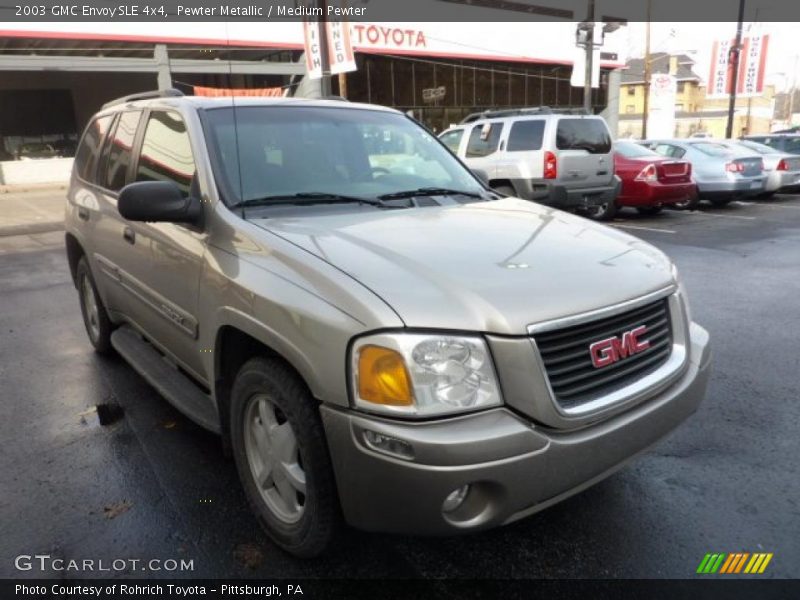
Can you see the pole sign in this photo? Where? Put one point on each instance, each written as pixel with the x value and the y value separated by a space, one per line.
pixel 313 49
pixel 340 47
pixel 752 67
pixel 661 112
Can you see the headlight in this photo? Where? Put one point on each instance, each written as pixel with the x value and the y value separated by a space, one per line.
pixel 423 375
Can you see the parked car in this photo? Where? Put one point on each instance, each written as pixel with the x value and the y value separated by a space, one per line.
pixel 722 174
pixel 375 334
pixel 651 181
pixel 781 168
pixel 785 142
pixel 561 159
pixel 35 150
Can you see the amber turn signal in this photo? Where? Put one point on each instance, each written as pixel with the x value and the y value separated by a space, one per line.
pixel 383 377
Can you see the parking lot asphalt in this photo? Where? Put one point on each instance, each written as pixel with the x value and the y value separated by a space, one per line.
pixel 153 485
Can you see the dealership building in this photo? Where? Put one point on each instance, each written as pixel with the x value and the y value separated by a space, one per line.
pixel 56 75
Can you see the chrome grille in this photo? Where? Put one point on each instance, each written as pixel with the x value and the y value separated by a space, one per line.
pixel 568 362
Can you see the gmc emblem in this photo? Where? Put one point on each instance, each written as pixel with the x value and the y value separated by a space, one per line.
pixel 610 350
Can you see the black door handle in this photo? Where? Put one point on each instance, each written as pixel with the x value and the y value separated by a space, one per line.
pixel 129 235
pixel 83 213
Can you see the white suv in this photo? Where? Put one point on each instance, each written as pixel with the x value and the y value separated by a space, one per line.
pixel 562 159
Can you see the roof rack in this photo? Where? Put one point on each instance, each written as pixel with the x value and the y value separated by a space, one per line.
pixel 512 112
pixel 168 93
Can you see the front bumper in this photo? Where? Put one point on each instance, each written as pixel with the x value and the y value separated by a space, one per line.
pixel 515 467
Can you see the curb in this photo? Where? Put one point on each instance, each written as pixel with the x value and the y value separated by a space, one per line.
pixel 32 187
pixel 28 229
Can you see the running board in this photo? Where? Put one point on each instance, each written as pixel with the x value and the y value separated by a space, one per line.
pixel 177 388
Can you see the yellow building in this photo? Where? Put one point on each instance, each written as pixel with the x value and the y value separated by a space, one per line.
pixel 694 113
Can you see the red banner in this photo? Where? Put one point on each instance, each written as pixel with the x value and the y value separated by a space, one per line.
pixel 274 92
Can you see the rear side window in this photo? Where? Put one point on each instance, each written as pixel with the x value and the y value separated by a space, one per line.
pixel 119 149
pixel 89 150
pixel 452 139
pixel 526 135
pixel 583 134
pixel 166 151
pixel 483 145
pixel 713 149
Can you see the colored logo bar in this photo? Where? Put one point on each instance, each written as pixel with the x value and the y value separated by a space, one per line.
pixel 736 562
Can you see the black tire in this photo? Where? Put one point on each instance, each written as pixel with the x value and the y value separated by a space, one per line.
pixel 721 201
pixel 506 190
pixel 767 195
pixel 98 325
pixel 603 212
pixel 649 210
pixel 690 204
pixel 272 381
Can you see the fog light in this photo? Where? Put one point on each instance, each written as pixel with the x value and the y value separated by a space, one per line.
pixel 455 499
pixel 388 445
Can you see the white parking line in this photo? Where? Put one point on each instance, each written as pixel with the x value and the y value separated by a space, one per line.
pixel 639 227
pixel 702 213
pixel 793 206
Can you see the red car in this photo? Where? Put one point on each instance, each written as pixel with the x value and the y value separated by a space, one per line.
pixel 651 181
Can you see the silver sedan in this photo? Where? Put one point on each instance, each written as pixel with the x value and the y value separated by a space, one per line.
pixel 721 172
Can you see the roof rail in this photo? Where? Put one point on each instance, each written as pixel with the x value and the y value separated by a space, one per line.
pixel 168 93
pixel 512 112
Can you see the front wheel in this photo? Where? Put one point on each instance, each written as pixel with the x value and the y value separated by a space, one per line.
pixel 601 212
pixel 280 452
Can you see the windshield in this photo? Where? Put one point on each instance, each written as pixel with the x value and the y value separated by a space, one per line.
pixel 263 151
pixel 633 150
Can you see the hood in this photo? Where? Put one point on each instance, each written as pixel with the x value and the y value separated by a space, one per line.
pixel 494 267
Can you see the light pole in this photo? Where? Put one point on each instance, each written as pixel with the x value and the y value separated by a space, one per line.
pixel 587 81
pixel 734 55
pixel 646 101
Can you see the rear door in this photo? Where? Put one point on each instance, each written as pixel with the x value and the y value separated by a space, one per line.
pixel 583 147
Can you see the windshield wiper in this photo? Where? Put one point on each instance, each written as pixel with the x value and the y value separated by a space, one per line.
pixel 307 198
pixel 429 191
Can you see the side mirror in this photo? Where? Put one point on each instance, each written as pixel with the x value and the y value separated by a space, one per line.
pixel 158 201
pixel 482 175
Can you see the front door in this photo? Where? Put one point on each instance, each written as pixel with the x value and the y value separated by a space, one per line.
pixel 164 279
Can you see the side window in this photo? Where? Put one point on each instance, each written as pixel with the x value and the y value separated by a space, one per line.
pixel 484 144
pixel 526 135
pixel 89 150
pixel 166 151
pixel 452 139
pixel 118 150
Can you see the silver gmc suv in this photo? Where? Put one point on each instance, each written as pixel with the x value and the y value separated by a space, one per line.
pixel 378 338
pixel 562 158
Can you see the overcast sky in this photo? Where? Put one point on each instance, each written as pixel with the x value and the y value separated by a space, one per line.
pixel 696 39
